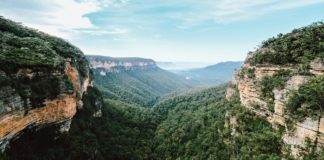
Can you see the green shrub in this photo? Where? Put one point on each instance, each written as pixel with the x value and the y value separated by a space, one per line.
pixel 308 100
pixel 277 80
pixel 25 47
pixel 298 47
pixel 249 72
pixel 255 138
pixel 269 83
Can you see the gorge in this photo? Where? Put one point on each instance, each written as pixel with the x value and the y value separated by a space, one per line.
pixel 57 103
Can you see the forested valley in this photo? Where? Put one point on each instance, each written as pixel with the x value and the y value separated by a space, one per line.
pixel 153 114
pixel 188 125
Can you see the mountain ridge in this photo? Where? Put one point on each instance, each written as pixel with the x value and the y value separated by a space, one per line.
pixel 272 110
pixel 213 74
pixel 117 64
pixel 138 79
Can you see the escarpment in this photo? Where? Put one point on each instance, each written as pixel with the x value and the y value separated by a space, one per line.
pixel 42 80
pixel 116 65
pixel 282 82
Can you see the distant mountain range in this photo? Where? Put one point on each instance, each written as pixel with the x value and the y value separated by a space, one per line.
pixel 211 75
pixel 46 90
pixel 146 73
pixel 112 64
pixel 177 66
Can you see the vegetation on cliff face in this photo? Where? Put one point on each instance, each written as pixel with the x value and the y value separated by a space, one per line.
pixel 249 72
pixel 299 47
pixel 269 83
pixel 276 81
pixel 308 100
pixel 194 128
pixel 254 137
pixel 283 67
pixel 123 132
pixel 33 63
pixel 188 126
pixel 192 125
pixel 41 77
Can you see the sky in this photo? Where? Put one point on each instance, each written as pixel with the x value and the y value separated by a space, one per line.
pixel 165 30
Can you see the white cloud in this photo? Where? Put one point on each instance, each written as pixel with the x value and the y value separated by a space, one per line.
pixel 67 18
pixel 193 12
pixel 98 32
pixel 63 18
pixel 227 11
pixel 121 39
pixel 189 13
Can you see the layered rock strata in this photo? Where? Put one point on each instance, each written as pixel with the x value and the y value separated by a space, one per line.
pixel 42 80
pixel 249 89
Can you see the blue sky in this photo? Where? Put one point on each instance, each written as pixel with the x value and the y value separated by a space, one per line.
pixel 166 30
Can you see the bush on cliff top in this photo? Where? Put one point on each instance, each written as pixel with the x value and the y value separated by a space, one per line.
pixel 298 47
pixel 22 46
pixel 25 51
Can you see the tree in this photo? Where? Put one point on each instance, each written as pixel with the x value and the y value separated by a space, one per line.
pixel 308 100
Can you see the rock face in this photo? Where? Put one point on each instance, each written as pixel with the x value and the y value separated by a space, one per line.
pixel 317 67
pixel 250 87
pixel 116 65
pixel 42 80
pixel 273 72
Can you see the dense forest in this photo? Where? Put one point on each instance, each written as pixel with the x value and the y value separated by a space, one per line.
pixel 196 126
pixel 139 125
pixel 190 125
pixel 142 87
pixel 122 132
pixel 141 117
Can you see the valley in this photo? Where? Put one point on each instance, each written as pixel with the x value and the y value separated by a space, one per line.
pixel 136 81
pixel 58 103
pixel 175 127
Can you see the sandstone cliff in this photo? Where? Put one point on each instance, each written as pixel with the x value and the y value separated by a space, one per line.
pixel 116 65
pixel 42 80
pixel 273 72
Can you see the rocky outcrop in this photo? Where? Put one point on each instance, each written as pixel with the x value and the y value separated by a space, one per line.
pixel 116 65
pixel 229 93
pixel 42 80
pixel 249 88
pixel 19 112
pixel 317 67
pixel 55 111
pixel 231 122
pixel 274 72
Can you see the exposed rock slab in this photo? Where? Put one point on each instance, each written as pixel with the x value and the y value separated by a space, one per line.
pixel 250 95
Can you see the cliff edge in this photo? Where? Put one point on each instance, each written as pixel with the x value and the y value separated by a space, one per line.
pixel 283 81
pixel 42 80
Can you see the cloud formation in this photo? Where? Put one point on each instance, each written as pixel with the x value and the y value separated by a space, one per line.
pixel 63 18
pixel 69 18
pixel 226 11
